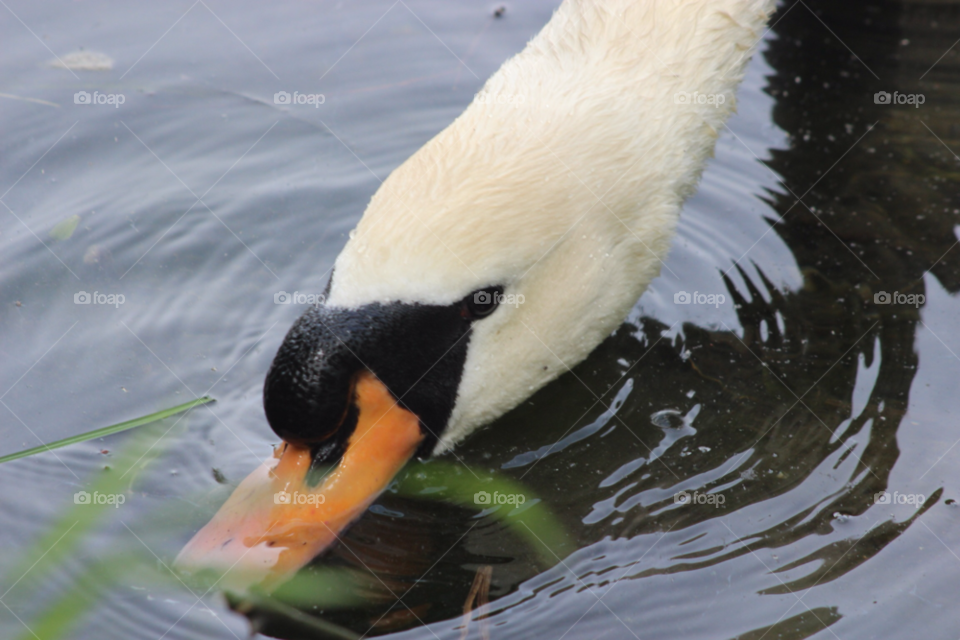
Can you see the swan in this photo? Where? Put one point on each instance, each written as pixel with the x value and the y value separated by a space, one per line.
pixel 494 259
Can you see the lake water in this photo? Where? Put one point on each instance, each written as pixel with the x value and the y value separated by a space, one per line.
pixel 184 210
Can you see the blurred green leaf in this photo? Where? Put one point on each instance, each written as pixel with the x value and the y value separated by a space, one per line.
pixel 61 615
pixel 328 586
pixel 65 228
pixel 532 520
pixel 64 535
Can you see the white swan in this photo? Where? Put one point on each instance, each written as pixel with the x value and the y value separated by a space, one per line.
pixel 560 186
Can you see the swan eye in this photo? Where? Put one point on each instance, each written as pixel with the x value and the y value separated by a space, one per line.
pixel 481 303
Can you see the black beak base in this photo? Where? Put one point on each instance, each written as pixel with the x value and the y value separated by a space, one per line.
pixel 417 351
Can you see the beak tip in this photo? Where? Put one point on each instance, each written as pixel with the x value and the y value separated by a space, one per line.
pixel 258 540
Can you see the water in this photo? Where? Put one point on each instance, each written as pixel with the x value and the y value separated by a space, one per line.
pixel 796 400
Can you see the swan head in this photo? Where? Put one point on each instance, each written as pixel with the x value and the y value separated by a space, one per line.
pixel 437 320
pixel 417 351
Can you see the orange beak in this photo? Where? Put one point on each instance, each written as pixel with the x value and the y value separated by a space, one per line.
pixel 273 524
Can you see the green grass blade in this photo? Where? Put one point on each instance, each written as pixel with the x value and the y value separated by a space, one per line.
pixel 106 431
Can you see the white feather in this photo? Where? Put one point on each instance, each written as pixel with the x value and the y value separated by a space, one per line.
pixel 562 181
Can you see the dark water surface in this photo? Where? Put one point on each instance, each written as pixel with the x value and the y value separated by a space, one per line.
pixel 797 400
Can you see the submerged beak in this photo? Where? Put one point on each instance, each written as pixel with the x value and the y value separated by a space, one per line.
pixel 274 523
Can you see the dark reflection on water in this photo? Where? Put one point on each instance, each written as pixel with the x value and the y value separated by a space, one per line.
pixel 796 402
